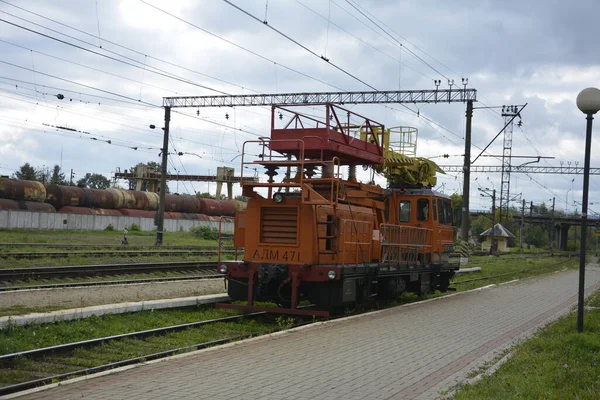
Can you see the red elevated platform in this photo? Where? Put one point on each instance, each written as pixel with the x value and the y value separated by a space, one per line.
pixel 337 136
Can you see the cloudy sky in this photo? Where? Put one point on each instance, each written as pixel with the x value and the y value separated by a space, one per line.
pixel 114 60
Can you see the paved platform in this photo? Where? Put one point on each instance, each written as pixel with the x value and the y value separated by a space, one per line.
pixel 409 352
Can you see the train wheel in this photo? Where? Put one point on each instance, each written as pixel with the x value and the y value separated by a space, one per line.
pixel 444 283
pixel 392 288
pixel 285 295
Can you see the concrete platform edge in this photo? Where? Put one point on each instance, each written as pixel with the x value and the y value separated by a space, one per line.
pixel 119 308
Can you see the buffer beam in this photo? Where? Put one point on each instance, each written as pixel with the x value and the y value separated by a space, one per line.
pixel 318 98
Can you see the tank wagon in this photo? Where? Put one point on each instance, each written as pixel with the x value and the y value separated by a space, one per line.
pixel 315 235
pixel 18 194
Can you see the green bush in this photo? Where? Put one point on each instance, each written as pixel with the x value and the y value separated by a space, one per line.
pixel 205 232
pixel 109 227
pixel 135 228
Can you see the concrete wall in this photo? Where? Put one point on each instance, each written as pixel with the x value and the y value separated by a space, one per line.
pixel 501 244
pixel 17 219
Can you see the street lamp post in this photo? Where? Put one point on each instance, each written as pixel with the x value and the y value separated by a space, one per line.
pixel 588 101
pixel 567 199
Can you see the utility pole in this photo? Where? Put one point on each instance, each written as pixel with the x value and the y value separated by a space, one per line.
pixel 493 221
pixel 522 224
pixel 530 215
pixel 160 220
pixel 493 196
pixel 596 234
pixel 552 227
pixel 467 174
pixel 575 229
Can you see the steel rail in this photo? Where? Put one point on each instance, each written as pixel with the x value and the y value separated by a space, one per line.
pixel 106 246
pixel 125 253
pixel 109 283
pixel 15 274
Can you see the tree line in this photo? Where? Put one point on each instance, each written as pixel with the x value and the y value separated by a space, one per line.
pixel 57 177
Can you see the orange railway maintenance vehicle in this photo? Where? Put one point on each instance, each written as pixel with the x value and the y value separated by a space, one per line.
pixel 336 242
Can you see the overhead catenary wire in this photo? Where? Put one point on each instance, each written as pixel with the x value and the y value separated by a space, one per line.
pixel 115 44
pixel 88 67
pixel 143 65
pixel 300 45
pixel 64 133
pixel 121 96
pixel 241 47
pixel 366 14
pixel 112 58
pixel 362 40
pixel 141 106
pixel 144 131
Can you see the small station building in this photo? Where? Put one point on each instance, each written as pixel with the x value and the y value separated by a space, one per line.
pixel 499 236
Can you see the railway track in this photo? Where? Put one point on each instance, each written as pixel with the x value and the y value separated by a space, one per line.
pixel 104 246
pixel 33 274
pixel 116 253
pixel 111 282
pixel 50 364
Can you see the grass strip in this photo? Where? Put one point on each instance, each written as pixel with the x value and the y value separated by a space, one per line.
pixel 498 269
pixel 135 238
pixel 20 338
pixel 557 363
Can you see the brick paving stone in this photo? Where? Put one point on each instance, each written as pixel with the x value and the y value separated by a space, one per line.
pixel 410 352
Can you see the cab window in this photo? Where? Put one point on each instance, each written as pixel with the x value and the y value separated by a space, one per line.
pixel 448 212
pixel 422 209
pixel 442 216
pixel 444 211
pixel 404 210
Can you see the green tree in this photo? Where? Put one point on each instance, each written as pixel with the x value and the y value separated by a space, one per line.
pixel 27 172
pixel 536 235
pixel 205 195
pixel 94 181
pixel 241 198
pixel 457 201
pixel 479 225
pixel 58 177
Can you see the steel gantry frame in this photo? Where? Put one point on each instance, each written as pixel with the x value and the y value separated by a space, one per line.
pixel 317 98
pixel 451 95
pixel 524 169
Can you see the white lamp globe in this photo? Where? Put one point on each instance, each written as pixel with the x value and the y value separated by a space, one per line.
pixel 588 100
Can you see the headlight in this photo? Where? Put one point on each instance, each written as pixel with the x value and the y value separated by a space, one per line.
pixel 331 274
pixel 278 198
pixel 223 269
